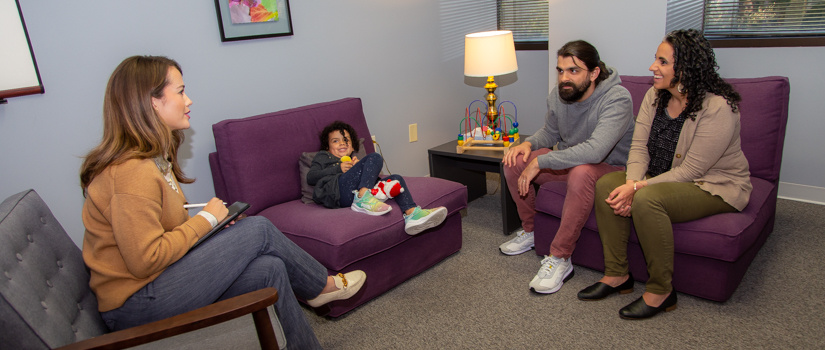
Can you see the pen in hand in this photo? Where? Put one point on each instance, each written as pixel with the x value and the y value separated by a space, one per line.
pixel 198 205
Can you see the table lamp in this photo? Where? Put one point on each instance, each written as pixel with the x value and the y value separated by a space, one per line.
pixel 487 54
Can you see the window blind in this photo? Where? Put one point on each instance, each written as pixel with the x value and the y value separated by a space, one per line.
pixel 740 18
pixel 527 19
pixel 720 19
pixel 684 14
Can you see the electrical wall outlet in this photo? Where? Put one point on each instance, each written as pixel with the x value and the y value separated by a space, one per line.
pixel 413 132
pixel 373 139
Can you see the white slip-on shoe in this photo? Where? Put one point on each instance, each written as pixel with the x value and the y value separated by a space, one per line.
pixel 348 284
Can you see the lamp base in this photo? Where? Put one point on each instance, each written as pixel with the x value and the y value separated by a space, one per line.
pixel 492 112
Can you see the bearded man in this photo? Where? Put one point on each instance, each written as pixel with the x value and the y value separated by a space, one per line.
pixel 590 121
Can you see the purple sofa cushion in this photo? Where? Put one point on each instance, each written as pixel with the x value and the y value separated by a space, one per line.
pixel 264 173
pixel 637 86
pixel 723 236
pixel 340 237
pixel 764 112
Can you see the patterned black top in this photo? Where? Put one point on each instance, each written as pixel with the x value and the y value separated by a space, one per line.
pixel 661 145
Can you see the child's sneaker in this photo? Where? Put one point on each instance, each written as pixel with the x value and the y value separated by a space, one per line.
pixel 422 219
pixel 369 205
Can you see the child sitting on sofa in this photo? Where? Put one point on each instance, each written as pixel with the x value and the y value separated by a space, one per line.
pixel 347 183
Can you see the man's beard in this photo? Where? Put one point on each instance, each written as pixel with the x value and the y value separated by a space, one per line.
pixel 576 93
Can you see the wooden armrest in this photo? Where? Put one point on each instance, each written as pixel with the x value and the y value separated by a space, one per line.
pixel 254 302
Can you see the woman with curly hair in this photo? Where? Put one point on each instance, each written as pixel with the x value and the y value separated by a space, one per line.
pixel 685 163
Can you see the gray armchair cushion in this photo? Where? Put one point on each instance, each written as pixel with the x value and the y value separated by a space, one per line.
pixel 45 298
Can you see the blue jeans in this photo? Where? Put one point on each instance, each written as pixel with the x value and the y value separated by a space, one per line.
pixel 250 255
pixel 365 174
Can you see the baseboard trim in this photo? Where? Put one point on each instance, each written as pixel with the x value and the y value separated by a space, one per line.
pixel 802 193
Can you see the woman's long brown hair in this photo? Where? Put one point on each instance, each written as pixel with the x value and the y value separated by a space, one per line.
pixel 131 128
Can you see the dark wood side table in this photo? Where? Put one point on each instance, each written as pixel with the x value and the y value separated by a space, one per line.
pixel 469 169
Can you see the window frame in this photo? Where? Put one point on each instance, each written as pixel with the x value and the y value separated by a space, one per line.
pixel 768 42
pixel 531 45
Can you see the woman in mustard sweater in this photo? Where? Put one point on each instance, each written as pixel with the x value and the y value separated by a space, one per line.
pixel 685 163
pixel 138 234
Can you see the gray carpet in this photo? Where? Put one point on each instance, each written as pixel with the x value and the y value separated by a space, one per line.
pixel 478 298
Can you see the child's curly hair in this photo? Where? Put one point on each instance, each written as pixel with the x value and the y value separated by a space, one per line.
pixel 340 127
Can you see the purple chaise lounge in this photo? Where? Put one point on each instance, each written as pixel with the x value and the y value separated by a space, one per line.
pixel 713 253
pixel 256 161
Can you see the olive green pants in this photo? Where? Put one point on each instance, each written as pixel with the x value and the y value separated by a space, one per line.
pixel 654 209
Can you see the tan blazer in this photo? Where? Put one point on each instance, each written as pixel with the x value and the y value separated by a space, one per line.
pixel 708 152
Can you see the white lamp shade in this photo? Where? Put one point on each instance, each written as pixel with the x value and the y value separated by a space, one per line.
pixel 489 54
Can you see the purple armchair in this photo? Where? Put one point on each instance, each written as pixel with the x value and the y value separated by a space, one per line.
pixel 712 253
pixel 257 162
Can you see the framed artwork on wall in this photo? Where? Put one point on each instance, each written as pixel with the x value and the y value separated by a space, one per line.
pixel 253 19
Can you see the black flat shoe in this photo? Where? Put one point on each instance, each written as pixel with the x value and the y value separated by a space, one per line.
pixel 638 310
pixel 599 290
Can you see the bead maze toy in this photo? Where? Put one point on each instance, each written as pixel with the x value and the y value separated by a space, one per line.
pixel 489 136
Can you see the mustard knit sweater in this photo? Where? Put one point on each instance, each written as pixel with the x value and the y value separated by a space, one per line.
pixel 136 226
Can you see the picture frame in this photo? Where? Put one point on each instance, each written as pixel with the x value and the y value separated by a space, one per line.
pixel 231 31
pixel 19 75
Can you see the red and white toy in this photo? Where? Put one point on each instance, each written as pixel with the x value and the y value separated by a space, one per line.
pixel 386 189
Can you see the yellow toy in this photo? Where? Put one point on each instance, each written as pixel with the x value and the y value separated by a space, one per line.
pixel 345 159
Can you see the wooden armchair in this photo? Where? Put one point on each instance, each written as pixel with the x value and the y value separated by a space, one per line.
pixel 46 302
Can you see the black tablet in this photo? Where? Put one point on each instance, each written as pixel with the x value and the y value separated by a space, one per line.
pixel 234 210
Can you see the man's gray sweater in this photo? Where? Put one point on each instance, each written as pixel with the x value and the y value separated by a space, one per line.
pixel 596 130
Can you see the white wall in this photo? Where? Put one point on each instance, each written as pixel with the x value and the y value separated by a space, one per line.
pixel 802 161
pixel 626 33
pixel 403 58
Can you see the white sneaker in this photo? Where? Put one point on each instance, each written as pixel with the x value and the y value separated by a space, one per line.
pixel 520 244
pixel 552 274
